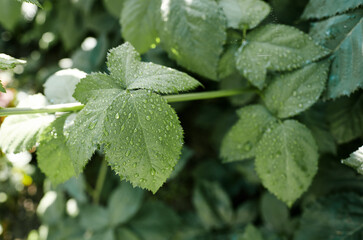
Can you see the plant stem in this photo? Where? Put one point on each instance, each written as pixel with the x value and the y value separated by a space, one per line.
pixel 72 107
pixel 100 181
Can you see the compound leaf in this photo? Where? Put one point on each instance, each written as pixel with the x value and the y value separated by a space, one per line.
pixel 355 160
pixel 275 47
pixel 292 93
pixel 337 217
pixel 124 202
pixel 287 160
pixel 53 154
pixel 241 140
pixel 8 62
pixel 202 23
pixel 139 23
pixel 345 117
pixel 20 133
pixel 317 9
pixel 244 14
pixel 140 132
pixel 124 64
pixel 343 34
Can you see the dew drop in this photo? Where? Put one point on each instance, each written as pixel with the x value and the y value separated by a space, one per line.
pixel 92 125
pixel 128 153
pixel 152 171
pixel 117 116
pixel 136 175
pixel 148 118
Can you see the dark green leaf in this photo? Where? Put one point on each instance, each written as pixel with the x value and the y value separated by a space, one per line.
pixel 251 232
pixel 10 13
pixel 338 217
pixel 241 140
pixel 155 221
pixel 193 33
pixel 123 204
pixel 139 19
pixel 94 217
pixel 275 47
pixel 244 14
pixel 212 204
pixel 274 213
pixel 324 8
pixel 114 7
pixel 287 160
pixel 345 117
pixel 292 93
pixel 343 35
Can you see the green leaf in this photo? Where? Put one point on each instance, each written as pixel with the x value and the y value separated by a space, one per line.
pixel 317 9
pixel 125 233
pixel 139 23
pixel 35 2
pixel 274 213
pixel 244 14
pixel 345 117
pixel 94 217
pixel 241 140
pixel 124 64
pixel 292 93
pixel 287 160
pixel 51 207
pixel 316 120
pixel 53 154
pixel 227 65
pixel 114 7
pixel 337 217
pixel 22 131
pixel 106 234
pixel 2 89
pixel 8 62
pixel 143 138
pixel 155 221
pixel 141 133
pixel 343 35
pixel 10 14
pixel 251 232
pixel 60 86
pixel 355 160
pixel 123 204
pixel 275 47
pixel 212 204
pixel 193 34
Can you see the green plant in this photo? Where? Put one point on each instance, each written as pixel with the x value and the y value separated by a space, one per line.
pixel 298 100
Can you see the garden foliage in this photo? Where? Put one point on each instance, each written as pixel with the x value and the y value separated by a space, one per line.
pixel 300 113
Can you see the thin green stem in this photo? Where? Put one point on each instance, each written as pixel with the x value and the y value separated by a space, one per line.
pixel 72 107
pixel 100 182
